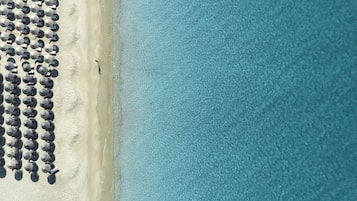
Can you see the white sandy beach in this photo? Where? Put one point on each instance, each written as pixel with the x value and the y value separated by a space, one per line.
pixel 84 145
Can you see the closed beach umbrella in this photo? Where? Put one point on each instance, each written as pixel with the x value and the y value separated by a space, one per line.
pixel 14 164
pixel 46 168
pixel 13 132
pixel 48 146
pixel 47 115
pixel 46 104
pixel 26 66
pixel 29 112
pixel 47 157
pixel 46 82
pixel 47 125
pixel 30 134
pixel 31 167
pixel 12 142
pixel 31 144
pixel 13 121
pixel 29 101
pixel 29 79
pixel 29 90
pixel 30 123
pixel 48 136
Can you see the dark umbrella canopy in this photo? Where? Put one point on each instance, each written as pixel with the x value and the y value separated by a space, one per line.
pixel 46 82
pixel 26 67
pixel 42 70
pixel 12 110
pixel 13 99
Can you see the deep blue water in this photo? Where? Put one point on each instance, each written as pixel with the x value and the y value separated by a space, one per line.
pixel 238 100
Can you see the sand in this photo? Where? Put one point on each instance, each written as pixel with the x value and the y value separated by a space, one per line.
pixel 84 143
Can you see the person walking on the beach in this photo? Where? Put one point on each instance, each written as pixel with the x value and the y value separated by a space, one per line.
pixel 99 70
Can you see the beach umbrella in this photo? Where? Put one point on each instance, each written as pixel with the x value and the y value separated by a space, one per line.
pixel 31 144
pixel 46 82
pixel 18 14
pixel 11 88
pixel 26 67
pixel 19 50
pixel 25 55
pixel 11 98
pixel 51 3
pixel 48 136
pixel 29 112
pixel 29 79
pixel 13 132
pixel 46 168
pixel 30 155
pixel 42 70
pixel 12 110
pixel 30 101
pixel 10 66
pixel 30 123
pixel 47 125
pixel 13 142
pixel 51 60
pixel 34 8
pixel 49 34
pixel 31 167
pixel 33 18
pixel 4 22
pixel 25 9
pixel 47 115
pixel 37 45
pixel 46 104
pixel 2 151
pixel 2 162
pixel 9 38
pixel 51 49
pixel 22 41
pixel 25 20
pixel 13 152
pixel 47 157
pixel 49 12
pixel 4 46
pixel 29 90
pixel 13 121
pixel 4 10
pixel 34 54
pixel 10 51
pixel 19 26
pixel 19 4
pixel 48 146
pixel 46 93
pixel 14 164
pixel 30 134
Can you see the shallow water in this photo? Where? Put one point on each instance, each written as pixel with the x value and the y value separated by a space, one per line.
pixel 238 100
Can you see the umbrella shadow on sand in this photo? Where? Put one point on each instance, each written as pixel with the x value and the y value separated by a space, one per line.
pixel 2 172
pixel 51 179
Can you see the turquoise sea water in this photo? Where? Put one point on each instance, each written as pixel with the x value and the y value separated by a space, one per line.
pixel 237 100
